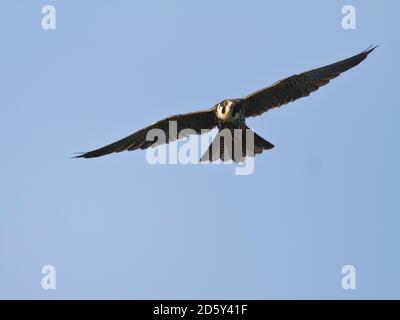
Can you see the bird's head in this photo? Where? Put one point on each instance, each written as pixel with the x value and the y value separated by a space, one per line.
pixel 228 110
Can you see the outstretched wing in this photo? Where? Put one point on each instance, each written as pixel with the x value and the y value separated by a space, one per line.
pixel 297 86
pixel 195 121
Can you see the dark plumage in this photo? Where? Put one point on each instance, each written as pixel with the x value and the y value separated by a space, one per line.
pixel 231 113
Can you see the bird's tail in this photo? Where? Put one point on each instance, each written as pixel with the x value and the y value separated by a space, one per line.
pixel 236 145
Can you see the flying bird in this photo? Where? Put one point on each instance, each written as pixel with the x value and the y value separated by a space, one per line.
pixel 231 114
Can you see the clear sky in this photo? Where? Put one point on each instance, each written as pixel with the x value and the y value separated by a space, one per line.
pixel 326 196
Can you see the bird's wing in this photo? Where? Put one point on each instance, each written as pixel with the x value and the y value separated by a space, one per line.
pixel 195 121
pixel 297 86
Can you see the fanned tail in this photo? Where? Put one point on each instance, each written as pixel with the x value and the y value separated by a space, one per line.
pixel 236 145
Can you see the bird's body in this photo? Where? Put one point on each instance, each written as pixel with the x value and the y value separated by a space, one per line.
pixel 231 114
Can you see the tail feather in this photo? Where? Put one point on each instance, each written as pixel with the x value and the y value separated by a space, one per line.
pixel 230 146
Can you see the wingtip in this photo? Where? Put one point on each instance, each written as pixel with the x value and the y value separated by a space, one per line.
pixel 371 48
pixel 79 155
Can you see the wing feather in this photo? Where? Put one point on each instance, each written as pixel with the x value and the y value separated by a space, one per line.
pixel 297 86
pixel 196 121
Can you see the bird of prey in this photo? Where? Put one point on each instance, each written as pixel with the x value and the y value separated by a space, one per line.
pixel 231 114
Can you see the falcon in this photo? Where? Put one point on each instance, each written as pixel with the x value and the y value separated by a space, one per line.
pixel 231 114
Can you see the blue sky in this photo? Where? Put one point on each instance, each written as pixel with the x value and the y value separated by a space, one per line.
pixel 326 196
